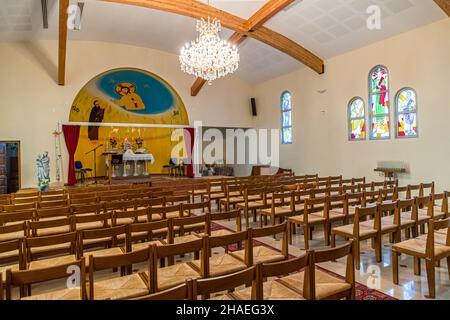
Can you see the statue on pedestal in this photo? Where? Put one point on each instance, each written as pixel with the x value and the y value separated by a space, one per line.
pixel 43 171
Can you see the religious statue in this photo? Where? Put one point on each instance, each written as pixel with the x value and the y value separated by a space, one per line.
pixel 96 115
pixel 43 171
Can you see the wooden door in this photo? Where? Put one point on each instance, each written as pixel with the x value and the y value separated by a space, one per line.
pixel 3 178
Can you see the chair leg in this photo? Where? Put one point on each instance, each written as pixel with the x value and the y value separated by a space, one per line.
pixel 289 230
pixel 378 253
pixel 431 278
pixel 326 234
pixel 306 236
pixel 417 271
pixel 357 254
pixel 438 263
pixel 448 266
pixel 247 221
pixel 395 267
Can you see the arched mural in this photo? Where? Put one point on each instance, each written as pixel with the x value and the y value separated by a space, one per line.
pixel 127 95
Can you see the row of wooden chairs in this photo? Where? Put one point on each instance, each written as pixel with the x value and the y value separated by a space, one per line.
pixel 294 279
pixel 206 266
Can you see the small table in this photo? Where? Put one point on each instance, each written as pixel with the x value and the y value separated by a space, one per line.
pixel 390 174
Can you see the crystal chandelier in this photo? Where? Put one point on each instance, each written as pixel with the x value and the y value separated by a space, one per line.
pixel 209 57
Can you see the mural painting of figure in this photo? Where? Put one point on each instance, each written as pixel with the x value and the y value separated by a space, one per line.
pixel 130 99
pixel 96 115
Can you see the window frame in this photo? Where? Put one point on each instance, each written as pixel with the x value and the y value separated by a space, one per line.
pixel 369 104
pixel 283 127
pixel 349 119
pixel 406 112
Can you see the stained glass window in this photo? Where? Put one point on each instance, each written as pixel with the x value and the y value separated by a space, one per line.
pixel 406 113
pixel 379 103
pixel 356 119
pixel 286 118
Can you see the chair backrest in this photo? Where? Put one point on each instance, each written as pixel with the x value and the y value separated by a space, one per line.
pixel 24 278
pixel 132 214
pixel 149 227
pixel 313 203
pixel 52 204
pixel 435 225
pixel 319 256
pixel 82 195
pixel 190 208
pixel 401 193
pixel 27 200
pixel 280 268
pixel 80 209
pixel 208 286
pixel 181 224
pixel 53 213
pixel 444 201
pixel 361 213
pixel 370 197
pixel 12 251
pixel 26 194
pixel 356 181
pixel 118 205
pixel 90 200
pixel 47 244
pixel 78 165
pixel 115 261
pixel 111 233
pixel 103 218
pixel 53 197
pixel 148 202
pixel 365 187
pixel 177 199
pixel 265 232
pixel 228 215
pixel 413 190
pixel 16 216
pixel 424 186
pixel 19 207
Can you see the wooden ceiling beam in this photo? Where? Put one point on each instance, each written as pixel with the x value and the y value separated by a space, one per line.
pixel 267 11
pixel 246 28
pixel 444 5
pixel 62 41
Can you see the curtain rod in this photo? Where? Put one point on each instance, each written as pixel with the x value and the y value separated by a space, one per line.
pixel 134 125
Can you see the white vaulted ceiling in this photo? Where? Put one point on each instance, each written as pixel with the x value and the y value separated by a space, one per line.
pixel 325 27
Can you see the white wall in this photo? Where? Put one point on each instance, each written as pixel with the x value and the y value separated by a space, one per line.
pixel 32 103
pixel 419 59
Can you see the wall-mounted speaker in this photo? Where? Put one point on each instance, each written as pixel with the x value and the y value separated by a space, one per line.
pixel 253 102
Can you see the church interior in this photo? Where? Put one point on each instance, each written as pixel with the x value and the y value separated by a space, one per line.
pixel 224 150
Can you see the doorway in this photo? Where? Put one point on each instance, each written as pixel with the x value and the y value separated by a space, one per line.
pixel 9 166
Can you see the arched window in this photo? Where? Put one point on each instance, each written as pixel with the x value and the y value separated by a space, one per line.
pixel 379 106
pixel 406 113
pixel 356 119
pixel 286 118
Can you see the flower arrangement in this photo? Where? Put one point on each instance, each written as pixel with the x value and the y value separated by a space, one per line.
pixel 113 142
pixel 139 142
pixel 44 184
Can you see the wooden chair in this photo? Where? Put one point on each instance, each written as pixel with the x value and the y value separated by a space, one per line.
pixel 334 202
pixel 182 228
pixel 351 201
pixel 327 287
pixel 425 212
pixel 359 232
pixel 144 234
pixel 307 220
pixel 43 252
pixel 52 213
pixel 401 193
pixel 407 212
pixel 281 206
pixel 25 200
pixel 180 292
pixel 144 203
pixel 26 278
pixel 432 247
pixel 233 195
pixel 254 200
pixel 126 286
pixel 174 274
pixel 356 181
pixel 278 289
pixel 166 212
pixel 221 264
pixel 253 255
pixel 216 191
pixel 198 190
pixel 378 185
pixel 177 199
pixel 206 287
pixel 106 238
pixel 363 187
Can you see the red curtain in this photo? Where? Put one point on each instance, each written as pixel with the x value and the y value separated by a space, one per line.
pixel 71 135
pixel 189 136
